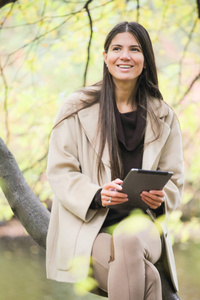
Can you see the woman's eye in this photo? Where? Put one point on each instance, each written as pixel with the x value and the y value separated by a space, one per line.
pixel 135 49
pixel 116 49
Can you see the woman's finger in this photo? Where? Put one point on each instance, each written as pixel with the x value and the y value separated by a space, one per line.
pixel 160 193
pixel 112 185
pixel 111 195
pixel 152 201
pixel 157 196
pixel 109 201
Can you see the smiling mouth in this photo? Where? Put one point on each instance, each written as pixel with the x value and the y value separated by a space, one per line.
pixel 125 66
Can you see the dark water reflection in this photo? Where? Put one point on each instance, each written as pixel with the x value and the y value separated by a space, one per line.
pixel 22 273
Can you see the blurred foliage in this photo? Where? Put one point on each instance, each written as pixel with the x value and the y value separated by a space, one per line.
pixel 43 54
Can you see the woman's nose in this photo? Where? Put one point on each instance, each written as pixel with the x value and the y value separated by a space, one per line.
pixel 125 55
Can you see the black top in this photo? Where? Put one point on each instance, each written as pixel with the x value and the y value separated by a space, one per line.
pixel 130 133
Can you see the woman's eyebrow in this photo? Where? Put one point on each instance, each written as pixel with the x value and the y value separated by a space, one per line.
pixel 136 46
pixel 118 45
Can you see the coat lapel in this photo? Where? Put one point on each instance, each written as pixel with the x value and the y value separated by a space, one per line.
pixel 153 148
pixel 89 120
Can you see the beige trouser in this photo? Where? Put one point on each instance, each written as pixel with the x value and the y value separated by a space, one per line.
pixel 123 262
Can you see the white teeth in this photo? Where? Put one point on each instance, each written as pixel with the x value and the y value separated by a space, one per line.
pixel 124 66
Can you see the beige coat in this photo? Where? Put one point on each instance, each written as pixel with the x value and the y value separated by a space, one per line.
pixel 71 172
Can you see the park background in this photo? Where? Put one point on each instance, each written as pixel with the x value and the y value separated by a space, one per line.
pixel 48 49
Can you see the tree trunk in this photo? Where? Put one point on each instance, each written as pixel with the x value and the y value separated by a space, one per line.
pixel 23 202
pixel 34 216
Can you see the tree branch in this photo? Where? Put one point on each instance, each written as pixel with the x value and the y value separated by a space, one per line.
pixel 38 38
pixel 189 88
pixel 5 2
pixel 183 56
pixel 90 40
pixel 23 202
pixel 5 102
pixel 198 8
pixel 35 163
pixel 138 11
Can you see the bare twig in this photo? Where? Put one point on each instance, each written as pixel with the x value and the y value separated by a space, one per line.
pixel 5 102
pixel 198 7
pixel 138 11
pixel 164 12
pixel 67 18
pixel 30 48
pixel 46 18
pixel 183 56
pixel 90 40
pixel 5 2
pixel 35 163
pixel 37 38
pixel 7 15
pixel 197 77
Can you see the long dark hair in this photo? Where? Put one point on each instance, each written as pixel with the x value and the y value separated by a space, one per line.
pixel 147 87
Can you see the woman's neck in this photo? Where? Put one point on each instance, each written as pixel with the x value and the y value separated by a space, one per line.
pixel 125 99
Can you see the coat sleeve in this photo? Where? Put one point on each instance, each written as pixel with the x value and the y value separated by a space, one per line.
pixel 73 189
pixel 171 159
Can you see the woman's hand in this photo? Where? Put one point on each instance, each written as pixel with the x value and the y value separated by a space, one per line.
pixel 110 194
pixel 153 198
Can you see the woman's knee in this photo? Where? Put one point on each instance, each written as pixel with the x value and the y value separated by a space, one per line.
pixel 137 244
pixel 129 245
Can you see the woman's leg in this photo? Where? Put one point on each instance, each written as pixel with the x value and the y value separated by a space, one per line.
pixel 153 288
pixel 100 259
pixel 132 275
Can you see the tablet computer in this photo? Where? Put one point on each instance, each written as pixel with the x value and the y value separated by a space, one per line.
pixel 138 180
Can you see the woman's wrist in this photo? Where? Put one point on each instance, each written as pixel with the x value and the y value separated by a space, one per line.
pixel 96 201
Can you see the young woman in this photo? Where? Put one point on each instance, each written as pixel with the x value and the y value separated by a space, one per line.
pixel 100 133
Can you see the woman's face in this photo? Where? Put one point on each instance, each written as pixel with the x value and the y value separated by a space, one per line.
pixel 124 59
